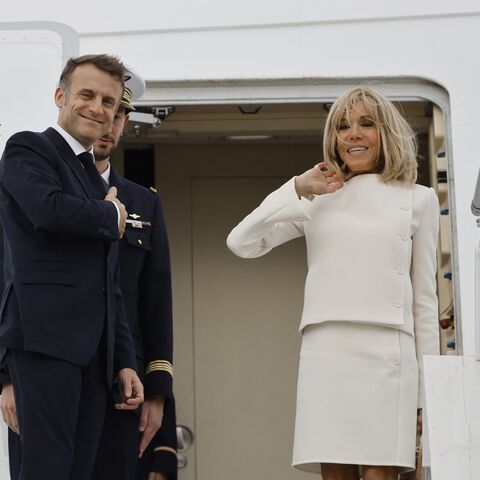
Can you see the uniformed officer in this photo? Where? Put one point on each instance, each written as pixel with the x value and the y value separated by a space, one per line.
pixel 146 286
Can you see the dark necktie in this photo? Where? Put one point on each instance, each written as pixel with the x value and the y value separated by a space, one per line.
pixel 86 158
pixel 105 184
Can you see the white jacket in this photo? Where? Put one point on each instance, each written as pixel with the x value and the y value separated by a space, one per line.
pixel 371 252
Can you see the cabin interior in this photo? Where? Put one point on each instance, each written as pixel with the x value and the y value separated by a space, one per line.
pixel 236 321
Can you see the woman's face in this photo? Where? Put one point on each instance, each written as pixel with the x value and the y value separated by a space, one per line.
pixel 358 143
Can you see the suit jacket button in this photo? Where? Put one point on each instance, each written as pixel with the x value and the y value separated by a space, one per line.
pixel 405 207
pixel 104 289
pixel 399 269
pixel 397 303
pixel 404 236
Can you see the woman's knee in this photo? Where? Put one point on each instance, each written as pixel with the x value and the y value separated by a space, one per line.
pixel 339 471
pixel 379 472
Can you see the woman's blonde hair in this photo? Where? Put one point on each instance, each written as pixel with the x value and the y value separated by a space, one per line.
pixel 397 158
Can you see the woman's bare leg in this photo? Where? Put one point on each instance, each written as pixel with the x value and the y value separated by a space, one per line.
pixel 339 471
pixel 380 473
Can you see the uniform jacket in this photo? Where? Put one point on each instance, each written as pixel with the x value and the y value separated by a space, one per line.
pixel 60 252
pixel 371 251
pixel 146 286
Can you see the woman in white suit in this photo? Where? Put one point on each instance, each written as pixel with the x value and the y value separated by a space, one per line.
pixel 370 307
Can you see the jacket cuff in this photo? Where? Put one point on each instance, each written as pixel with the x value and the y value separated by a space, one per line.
pixel 3 378
pixel 4 375
pixel 165 461
pixel 126 360
pixel 158 379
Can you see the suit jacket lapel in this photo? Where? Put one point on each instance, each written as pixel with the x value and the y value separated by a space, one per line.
pixel 71 159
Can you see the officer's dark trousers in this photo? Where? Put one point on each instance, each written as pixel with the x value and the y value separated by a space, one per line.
pixel 60 409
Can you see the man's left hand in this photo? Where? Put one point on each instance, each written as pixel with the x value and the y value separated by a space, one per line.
pixel 131 389
pixel 156 476
pixel 150 421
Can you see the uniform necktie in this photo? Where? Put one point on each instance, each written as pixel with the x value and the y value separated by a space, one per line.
pixel 86 158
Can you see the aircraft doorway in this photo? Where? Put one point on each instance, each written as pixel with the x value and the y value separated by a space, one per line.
pixel 236 321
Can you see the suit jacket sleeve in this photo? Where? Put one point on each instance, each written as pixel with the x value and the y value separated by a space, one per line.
pixel 155 304
pixel 278 219
pixel 423 272
pixel 124 353
pixel 3 372
pixel 164 444
pixel 28 174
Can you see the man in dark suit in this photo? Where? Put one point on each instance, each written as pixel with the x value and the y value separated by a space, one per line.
pixel 63 328
pixel 146 287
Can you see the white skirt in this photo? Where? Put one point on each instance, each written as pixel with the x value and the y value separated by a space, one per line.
pixel 356 397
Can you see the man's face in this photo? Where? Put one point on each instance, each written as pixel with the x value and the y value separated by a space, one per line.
pixel 88 105
pixel 103 147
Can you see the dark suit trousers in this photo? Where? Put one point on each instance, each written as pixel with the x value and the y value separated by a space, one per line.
pixel 118 450
pixel 60 409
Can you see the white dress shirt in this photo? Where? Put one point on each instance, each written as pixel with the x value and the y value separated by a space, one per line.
pixel 78 148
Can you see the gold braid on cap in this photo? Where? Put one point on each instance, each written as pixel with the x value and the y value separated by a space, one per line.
pixel 126 101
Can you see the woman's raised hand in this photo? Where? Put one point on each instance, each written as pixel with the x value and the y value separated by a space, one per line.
pixel 317 181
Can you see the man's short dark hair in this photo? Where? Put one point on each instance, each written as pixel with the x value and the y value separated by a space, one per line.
pixel 107 63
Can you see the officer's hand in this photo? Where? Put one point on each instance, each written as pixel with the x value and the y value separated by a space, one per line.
pixel 131 389
pixel 8 407
pixel 156 476
pixel 150 420
pixel 112 197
